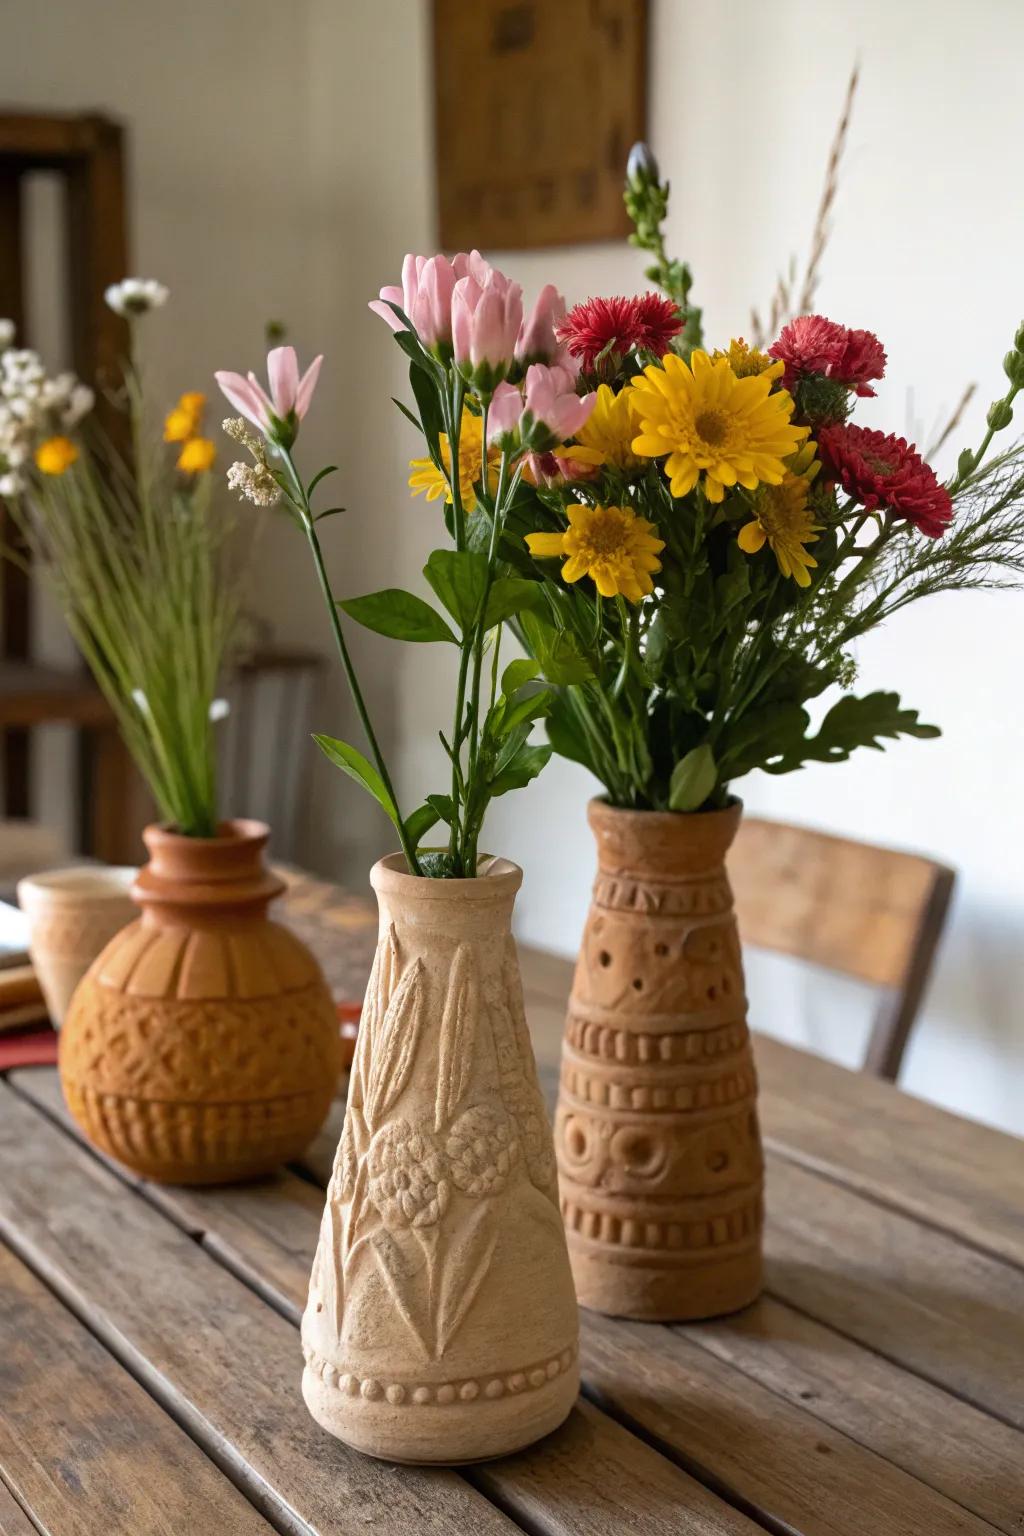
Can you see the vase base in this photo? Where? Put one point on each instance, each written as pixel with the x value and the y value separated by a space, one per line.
pixel 445 1434
pixel 677 1294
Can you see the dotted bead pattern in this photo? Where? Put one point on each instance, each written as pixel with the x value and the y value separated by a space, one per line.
pixel 422 1395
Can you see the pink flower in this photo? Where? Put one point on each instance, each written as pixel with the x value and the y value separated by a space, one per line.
pixel 487 312
pixel 555 410
pixel 542 414
pixel 537 342
pixel 278 414
pixel 503 415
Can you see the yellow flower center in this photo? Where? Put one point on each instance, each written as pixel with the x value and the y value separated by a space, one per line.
pixel 605 534
pixel 712 427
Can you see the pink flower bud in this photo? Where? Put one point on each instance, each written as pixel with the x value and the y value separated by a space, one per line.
pixel 426 295
pixel 503 415
pixel 537 342
pixel 555 410
pixel 486 317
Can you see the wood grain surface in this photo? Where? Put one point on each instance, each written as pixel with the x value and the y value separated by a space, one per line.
pixel 875 1388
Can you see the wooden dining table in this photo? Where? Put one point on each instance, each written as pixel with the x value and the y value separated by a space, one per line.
pixel 150 1359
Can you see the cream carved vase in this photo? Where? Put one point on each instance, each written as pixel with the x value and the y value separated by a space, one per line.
pixel 441 1324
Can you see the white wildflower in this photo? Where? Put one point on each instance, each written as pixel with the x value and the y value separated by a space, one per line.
pixel 255 483
pixel 219 710
pixel 136 296
pixel 7 334
pixel 80 402
pixel 11 485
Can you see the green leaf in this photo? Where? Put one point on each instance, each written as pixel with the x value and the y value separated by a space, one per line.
pixel 516 674
pixel 559 652
pixel 525 766
pixel 459 578
pixel 774 738
pixel 860 722
pixel 402 615
pixel 420 822
pixel 424 386
pixel 331 512
pixel 566 735
pixel 507 714
pixel 356 766
pixel 693 779
pixel 332 469
pixel 408 414
pixel 442 804
pixel 509 595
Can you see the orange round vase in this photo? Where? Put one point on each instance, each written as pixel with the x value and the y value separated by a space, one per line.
pixel 659 1152
pixel 202 1045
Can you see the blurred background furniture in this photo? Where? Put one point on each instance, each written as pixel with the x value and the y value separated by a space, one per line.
pixel 87 154
pixel 872 913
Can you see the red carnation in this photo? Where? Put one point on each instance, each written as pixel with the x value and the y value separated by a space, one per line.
pixel 811 344
pixel 880 470
pixel 619 324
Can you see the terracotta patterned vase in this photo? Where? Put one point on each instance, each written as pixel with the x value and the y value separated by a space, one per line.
pixel 441 1324
pixel 202 1046
pixel 659 1151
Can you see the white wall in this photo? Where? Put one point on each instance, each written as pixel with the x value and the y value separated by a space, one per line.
pixel 927 236
pixel 282 166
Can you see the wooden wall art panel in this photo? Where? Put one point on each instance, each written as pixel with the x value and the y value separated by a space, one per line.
pixel 537 103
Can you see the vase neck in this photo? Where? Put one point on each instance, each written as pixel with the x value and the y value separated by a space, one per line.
pixel 662 845
pixel 200 880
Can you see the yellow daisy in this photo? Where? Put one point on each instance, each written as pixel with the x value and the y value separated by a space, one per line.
pixel 55 455
pixel 745 360
pixel 197 456
pixel 732 431
pixel 186 418
pixel 607 436
pixel 611 545
pixel 783 520
pixel 427 477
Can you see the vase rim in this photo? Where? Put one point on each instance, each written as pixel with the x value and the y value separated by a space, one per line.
pixel 501 877
pixel 230 833
pixel 600 805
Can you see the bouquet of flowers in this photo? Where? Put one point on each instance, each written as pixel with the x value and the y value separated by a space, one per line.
pixel 133 550
pixel 461 324
pixel 723 530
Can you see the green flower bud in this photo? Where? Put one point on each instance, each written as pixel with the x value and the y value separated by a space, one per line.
pixel 1013 367
pixel 1018 340
pixel 965 463
pixel 1000 414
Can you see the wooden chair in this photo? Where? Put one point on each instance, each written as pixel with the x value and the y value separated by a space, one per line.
pixel 868 912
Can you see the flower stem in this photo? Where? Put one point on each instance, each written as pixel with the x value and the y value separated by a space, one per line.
pixel 309 527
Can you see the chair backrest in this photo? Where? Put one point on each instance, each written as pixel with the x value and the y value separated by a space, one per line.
pixel 868 912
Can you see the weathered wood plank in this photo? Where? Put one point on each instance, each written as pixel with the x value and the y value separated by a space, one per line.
pixel 779 1461
pixel 266 1232
pixel 594 1478
pixel 945 1170
pixel 970 1457
pixel 935 1306
pixel 920 1433
pixel 13 1519
pixel 203 1344
pixel 82 1445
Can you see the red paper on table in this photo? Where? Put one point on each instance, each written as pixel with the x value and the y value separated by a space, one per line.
pixel 28 1048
